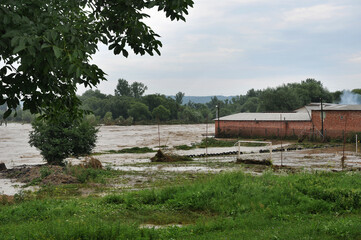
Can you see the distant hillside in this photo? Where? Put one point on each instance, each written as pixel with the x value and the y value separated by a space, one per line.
pixel 203 99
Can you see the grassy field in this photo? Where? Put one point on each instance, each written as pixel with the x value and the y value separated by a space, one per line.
pixel 225 206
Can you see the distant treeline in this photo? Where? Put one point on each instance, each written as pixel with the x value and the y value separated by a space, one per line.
pixel 203 99
pixel 129 105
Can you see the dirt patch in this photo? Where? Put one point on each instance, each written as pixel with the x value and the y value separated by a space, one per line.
pixel 5 199
pixel 41 174
pixel 59 178
pixel 91 162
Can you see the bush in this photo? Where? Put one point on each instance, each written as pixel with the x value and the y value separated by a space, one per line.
pixel 62 138
pixel 161 113
pixel 124 122
pixel 108 118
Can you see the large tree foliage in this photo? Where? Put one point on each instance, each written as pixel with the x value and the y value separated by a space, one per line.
pixel 161 113
pixel 289 97
pixel 139 112
pixel 123 88
pixel 46 46
pixel 284 98
pixel 179 98
pixel 356 90
pixel 136 89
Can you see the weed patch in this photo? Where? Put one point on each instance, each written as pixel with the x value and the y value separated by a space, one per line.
pixel 184 147
pixel 131 150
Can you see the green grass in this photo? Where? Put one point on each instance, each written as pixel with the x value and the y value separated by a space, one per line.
pixel 212 142
pixel 185 147
pixel 132 150
pixel 225 206
pixel 127 150
pixel 209 142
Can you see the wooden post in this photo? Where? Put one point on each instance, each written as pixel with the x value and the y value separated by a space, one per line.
pixel 239 150
pixel 207 138
pixel 321 118
pixel 281 140
pixel 158 135
pixel 344 144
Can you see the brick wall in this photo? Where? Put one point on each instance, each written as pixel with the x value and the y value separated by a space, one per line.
pixel 334 126
pixel 337 122
pixel 263 128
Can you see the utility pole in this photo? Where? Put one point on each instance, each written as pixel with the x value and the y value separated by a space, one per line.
pixel 158 135
pixel 207 139
pixel 344 144
pixel 219 129
pixel 356 143
pixel 281 140
pixel 322 118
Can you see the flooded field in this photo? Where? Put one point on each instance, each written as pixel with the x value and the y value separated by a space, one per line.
pixel 15 151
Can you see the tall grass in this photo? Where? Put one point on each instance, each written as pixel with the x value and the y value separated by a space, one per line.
pixel 226 206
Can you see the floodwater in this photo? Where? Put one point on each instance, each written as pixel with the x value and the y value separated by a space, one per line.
pixel 9 186
pixel 16 151
pixel 14 147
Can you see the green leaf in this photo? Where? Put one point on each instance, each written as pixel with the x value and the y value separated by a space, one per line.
pixel 7 113
pixel 32 51
pixel 125 53
pixel 14 41
pixel 45 45
pixel 18 49
pixel 54 35
pixel 57 51
pixel 117 50
pixel 78 72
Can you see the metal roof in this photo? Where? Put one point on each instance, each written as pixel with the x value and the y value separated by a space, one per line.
pixel 328 107
pixel 267 117
pixel 341 107
pixel 301 114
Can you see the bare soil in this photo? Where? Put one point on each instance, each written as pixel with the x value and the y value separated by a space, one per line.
pixel 27 174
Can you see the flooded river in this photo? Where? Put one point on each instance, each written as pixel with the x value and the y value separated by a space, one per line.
pixel 16 151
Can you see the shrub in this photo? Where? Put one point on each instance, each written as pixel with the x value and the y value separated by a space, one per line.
pixel 108 118
pixel 161 113
pixel 62 138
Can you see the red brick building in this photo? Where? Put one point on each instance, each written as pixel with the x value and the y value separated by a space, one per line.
pixel 338 119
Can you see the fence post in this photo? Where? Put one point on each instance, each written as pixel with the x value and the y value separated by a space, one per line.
pixel 239 151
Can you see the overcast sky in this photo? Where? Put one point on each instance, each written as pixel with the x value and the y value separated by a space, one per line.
pixel 227 47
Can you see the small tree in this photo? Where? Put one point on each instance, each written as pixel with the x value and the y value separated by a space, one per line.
pixel 138 89
pixel 161 113
pixel 108 118
pixel 179 98
pixel 123 88
pixel 139 111
pixel 63 138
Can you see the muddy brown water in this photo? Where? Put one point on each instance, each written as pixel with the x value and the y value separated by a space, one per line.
pixel 15 151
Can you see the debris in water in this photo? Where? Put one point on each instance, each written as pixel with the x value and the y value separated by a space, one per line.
pixel 2 166
pixel 162 157
pixel 266 162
